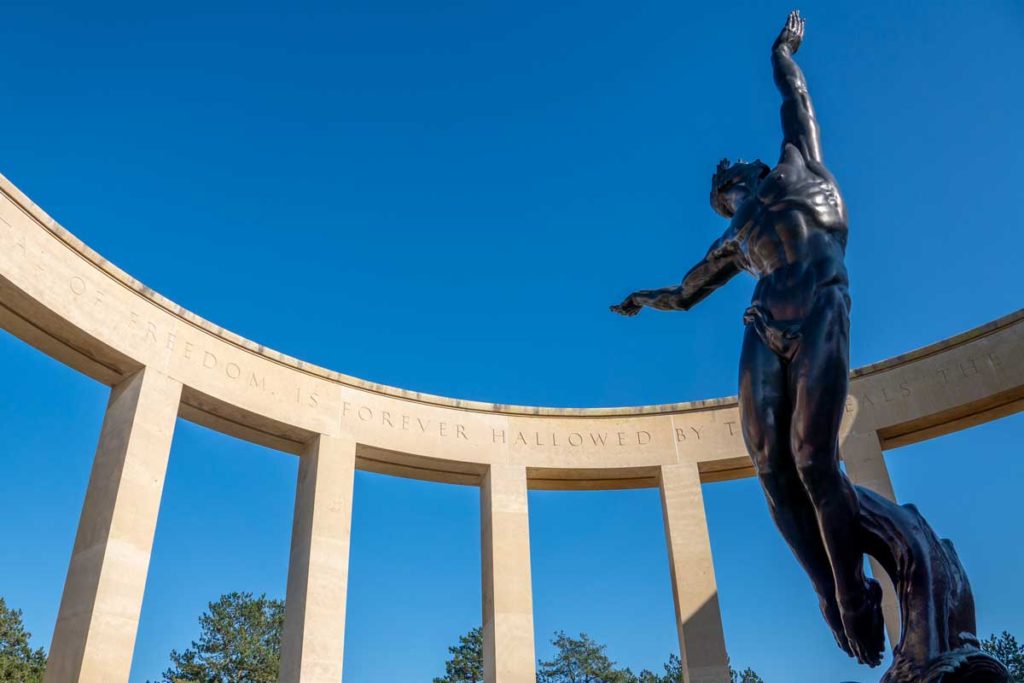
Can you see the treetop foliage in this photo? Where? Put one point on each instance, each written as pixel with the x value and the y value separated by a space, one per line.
pixel 19 663
pixel 1007 650
pixel 576 660
pixel 239 642
pixel 466 664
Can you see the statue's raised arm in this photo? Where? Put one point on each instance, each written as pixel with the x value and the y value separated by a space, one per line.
pixel 799 126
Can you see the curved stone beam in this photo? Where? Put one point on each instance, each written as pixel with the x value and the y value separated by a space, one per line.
pixel 65 299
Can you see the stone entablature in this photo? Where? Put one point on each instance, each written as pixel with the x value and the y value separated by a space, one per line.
pixel 64 298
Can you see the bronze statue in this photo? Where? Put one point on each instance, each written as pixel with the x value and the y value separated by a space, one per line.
pixel 788 227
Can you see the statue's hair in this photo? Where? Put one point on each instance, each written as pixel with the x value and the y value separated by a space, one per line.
pixel 727 173
pixel 721 172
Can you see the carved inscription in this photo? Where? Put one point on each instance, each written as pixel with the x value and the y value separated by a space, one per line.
pixel 401 421
pixel 691 435
pixel 245 373
pixel 969 368
pixel 170 341
pixel 573 439
pixel 965 370
pixel 897 392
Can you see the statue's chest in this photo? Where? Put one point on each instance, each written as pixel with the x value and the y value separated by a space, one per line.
pixel 789 192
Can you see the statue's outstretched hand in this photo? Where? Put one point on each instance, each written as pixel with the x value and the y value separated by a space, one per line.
pixel 629 307
pixel 792 34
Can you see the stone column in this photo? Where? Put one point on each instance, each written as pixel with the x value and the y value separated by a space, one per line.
pixel 94 638
pixel 507 589
pixel 698 618
pixel 865 465
pixel 313 643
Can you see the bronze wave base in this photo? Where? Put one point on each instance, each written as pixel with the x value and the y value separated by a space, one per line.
pixel 938 642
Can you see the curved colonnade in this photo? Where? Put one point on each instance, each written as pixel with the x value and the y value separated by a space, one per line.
pixel 163 362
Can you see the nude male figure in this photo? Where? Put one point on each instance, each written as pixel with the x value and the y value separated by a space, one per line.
pixel 788 228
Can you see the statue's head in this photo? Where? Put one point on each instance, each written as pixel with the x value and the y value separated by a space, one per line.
pixel 733 183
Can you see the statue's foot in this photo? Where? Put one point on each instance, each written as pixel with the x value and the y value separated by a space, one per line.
pixel 864 624
pixel 830 610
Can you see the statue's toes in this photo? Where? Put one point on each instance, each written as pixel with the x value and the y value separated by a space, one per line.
pixel 877 627
pixel 830 611
pixel 865 626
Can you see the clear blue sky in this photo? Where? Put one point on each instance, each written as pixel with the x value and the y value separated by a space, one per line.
pixel 446 196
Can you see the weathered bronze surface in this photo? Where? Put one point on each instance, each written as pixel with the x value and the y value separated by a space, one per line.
pixel 788 227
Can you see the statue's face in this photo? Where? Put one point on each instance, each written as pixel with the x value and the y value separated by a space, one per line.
pixel 730 198
pixel 736 185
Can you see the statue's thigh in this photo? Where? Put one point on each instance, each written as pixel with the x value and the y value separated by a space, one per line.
pixel 818 383
pixel 764 406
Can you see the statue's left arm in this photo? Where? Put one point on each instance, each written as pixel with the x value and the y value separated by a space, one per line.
pixel 799 125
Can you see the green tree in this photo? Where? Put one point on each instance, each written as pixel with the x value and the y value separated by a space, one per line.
pixel 19 663
pixel 746 676
pixel 240 642
pixel 577 660
pixel 467 660
pixel 674 674
pixel 1006 649
pixel 581 660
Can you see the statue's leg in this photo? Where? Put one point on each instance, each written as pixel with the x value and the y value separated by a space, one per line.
pixel 764 409
pixel 818 379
